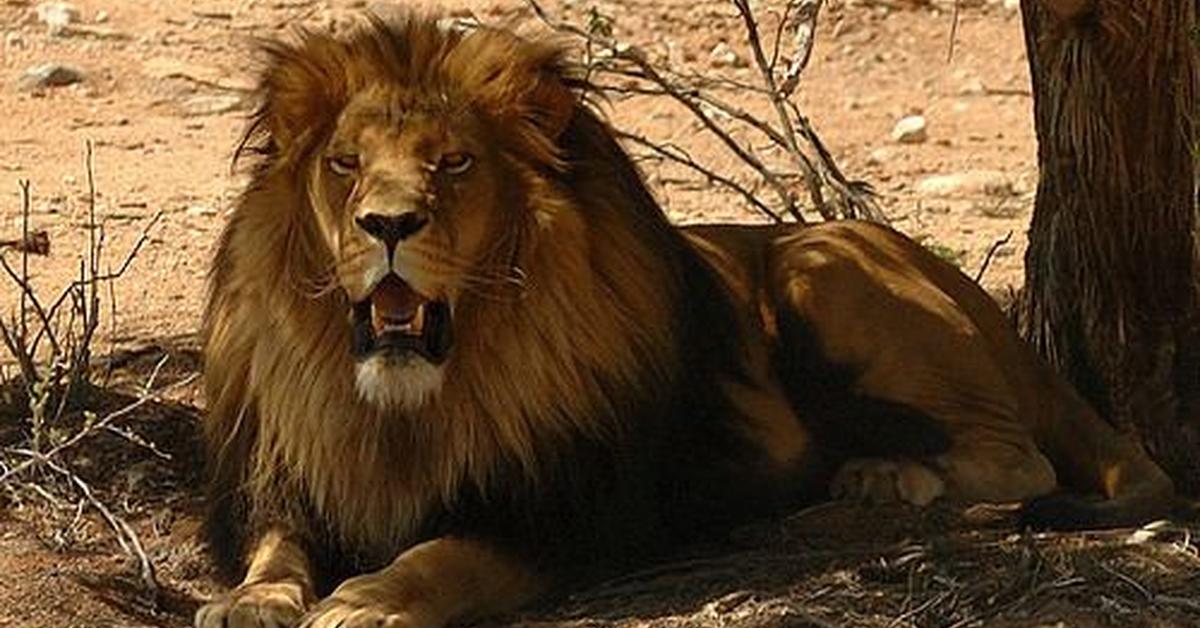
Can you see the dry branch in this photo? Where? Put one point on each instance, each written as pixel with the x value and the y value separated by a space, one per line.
pixel 987 259
pixel 36 243
pixel 126 536
pixel 618 68
pixel 52 347
pixel 93 426
pixel 677 155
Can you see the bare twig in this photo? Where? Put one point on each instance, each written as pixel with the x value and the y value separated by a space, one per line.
pixel 681 94
pixel 132 254
pixel 146 396
pixel 126 536
pixel 987 260
pixel 36 243
pixel 14 336
pixel 805 21
pixel 679 156
pixel 788 130
pixel 953 32
pixel 779 101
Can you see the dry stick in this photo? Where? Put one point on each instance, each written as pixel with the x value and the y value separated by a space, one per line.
pixel 144 397
pixel 113 275
pixel 953 33
pixel 811 178
pixel 987 260
pixel 635 56
pixel 781 189
pixel 43 316
pixel 855 196
pixel 724 107
pixel 732 111
pixel 15 338
pixel 858 195
pixel 686 160
pixel 89 293
pixel 26 208
pixel 783 22
pixel 806 34
pixel 126 536
pixel 38 243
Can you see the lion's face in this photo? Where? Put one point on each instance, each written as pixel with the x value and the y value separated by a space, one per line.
pixel 411 203
pixel 407 159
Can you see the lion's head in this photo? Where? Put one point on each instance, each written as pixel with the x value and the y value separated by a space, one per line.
pixel 419 148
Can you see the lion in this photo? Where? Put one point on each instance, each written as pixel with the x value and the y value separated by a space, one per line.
pixel 459 360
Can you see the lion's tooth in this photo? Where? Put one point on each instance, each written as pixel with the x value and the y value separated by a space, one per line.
pixel 378 321
pixel 418 320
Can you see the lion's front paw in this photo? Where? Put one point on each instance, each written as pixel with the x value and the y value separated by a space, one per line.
pixel 261 605
pixel 881 481
pixel 337 613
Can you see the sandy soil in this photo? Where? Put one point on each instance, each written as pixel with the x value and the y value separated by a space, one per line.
pixel 164 101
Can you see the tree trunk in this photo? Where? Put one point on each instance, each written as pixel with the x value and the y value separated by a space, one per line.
pixel 1110 274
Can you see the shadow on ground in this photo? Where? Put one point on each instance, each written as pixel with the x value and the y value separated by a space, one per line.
pixel 830 565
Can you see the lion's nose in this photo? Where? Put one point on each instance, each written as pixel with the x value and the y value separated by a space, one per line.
pixel 392 228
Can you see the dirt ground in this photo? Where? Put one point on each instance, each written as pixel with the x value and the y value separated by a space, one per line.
pixel 163 102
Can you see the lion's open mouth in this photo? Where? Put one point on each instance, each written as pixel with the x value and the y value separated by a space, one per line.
pixel 397 318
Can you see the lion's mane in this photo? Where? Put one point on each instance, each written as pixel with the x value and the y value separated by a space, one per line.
pixel 563 397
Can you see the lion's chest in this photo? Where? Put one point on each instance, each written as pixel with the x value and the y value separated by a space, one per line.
pixel 372 492
pixel 369 509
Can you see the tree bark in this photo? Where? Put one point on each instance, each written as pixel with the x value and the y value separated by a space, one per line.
pixel 1110 273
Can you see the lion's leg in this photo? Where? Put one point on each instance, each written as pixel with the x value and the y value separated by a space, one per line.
pixel 428 586
pixel 275 592
pixel 884 480
pixel 982 469
pixel 975 469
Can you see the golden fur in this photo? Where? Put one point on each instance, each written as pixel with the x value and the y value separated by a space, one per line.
pixel 861 313
pixel 610 384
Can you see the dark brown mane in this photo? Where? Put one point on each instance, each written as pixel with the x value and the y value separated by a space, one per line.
pixel 306 83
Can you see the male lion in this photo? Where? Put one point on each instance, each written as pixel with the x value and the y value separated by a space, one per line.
pixel 457 358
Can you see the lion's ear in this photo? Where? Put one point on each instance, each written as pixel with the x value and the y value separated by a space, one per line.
pixel 550 104
pixel 516 80
pixel 301 88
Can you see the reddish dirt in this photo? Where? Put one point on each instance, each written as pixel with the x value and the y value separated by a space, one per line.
pixel 163 105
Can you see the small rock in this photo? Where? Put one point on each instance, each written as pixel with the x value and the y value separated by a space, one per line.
pixel 910 130
pixel 973 182
pixel 101 17
pixel 206 105
pixel 51 74
pixel 201 210
pixel 722 56
pixel 14 40
pixel 879 156
pixel 57 16
pixel 1012 5
pixel 972 87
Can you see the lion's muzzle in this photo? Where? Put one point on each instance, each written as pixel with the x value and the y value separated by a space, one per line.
pixel 395 318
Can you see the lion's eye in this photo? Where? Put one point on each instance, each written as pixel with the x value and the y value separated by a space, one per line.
pixel 344 165
pixel 455 163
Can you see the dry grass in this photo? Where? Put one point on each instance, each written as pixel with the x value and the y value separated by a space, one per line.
pixel 846 565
